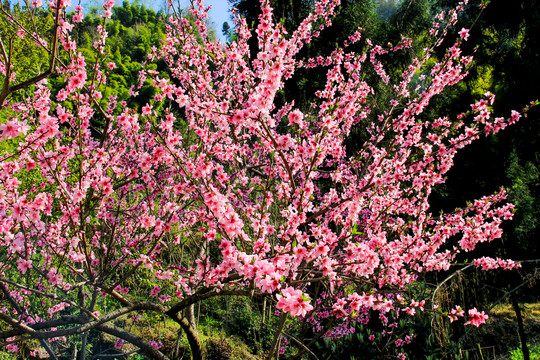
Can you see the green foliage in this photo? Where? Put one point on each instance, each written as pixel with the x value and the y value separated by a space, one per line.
pixel 133 31
pixel 525 182
pixel 27 59
pixel 534 352
pixel 18 47
pixel 483 82
pixel 4 355
pixel 239 317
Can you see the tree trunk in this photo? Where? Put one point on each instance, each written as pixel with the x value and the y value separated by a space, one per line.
pixel 187 322
pixel 521 329
pixel 277 337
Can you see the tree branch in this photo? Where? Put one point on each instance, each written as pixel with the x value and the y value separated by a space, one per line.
pixel 7 90
pixel 85 322
pixel 202 295
pixel 135 340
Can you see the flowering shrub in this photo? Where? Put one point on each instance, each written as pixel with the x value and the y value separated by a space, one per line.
pixel 211 189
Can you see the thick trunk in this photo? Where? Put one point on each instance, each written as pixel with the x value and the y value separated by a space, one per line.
pixel 187 323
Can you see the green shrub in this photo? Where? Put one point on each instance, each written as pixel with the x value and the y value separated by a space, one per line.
pixel 534 351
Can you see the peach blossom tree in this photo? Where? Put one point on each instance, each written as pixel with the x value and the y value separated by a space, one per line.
pixel 212 190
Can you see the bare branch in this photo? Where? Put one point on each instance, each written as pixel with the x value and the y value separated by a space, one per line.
pixel 135 340
pixel 85 322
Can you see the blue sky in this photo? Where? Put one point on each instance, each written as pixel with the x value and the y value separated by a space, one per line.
pixel 219 14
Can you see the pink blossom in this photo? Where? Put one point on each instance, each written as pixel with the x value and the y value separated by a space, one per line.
pixel 476 318
pixel 455 313
pixel 294 302
pixel 12 348
pixel 156 344
pixel 78 16
pixel 155 291
pixel 464 34
pixel 146 109
pixel 54 277
pixel 118 344
pixel 296 117
pixel 164 298
pixel 148 221
pixel 23 265
pixel 13 128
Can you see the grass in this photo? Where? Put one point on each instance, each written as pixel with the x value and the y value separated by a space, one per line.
pixel 534 352
pixel 531 316
pixel 529 310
